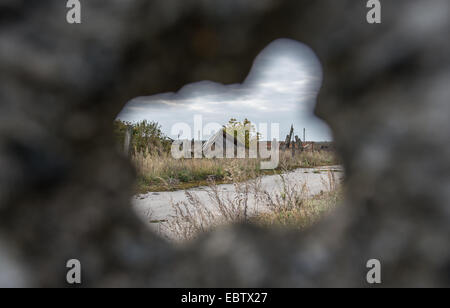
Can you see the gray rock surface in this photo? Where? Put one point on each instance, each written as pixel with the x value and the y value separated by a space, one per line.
pixel 65 190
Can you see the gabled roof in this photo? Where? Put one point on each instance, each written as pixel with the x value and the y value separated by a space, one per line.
pixel 221 135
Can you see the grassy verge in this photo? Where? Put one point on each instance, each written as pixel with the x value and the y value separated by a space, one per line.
pixel 164 173
pixel 302 216
pixel 291 207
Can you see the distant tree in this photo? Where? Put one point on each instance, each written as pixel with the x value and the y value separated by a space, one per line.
pixel 244 131
pixel 146 137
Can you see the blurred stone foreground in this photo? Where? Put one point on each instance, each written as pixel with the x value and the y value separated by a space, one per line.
pixel 65 190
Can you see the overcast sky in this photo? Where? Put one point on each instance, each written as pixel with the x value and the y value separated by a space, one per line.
pixel 281 88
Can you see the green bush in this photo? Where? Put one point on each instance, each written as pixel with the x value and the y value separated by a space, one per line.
pixel 146 137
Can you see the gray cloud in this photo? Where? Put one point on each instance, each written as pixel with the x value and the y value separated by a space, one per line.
pixel 281 88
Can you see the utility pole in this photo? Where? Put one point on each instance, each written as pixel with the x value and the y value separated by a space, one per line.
pixel 304 134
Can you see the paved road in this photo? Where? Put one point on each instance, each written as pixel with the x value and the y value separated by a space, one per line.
pixel 157 206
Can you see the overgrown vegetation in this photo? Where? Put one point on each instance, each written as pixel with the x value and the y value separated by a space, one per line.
pixel 146 138
pixel 295 208
pixel 292 207
pixel 158 171
pixel 244 132
pixel 162 172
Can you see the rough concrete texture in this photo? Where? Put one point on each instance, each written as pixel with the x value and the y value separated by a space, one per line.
pixel 65 192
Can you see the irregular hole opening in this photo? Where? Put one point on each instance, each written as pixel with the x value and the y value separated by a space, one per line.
pixel 213 154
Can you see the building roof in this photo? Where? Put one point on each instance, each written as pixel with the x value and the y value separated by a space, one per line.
pixel 218 138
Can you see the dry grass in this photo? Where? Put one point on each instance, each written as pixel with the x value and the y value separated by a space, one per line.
pixel 297 209
pixel 307 159
pixel 304 214
pixel 292 207
pixel 193 217
pixel 162 172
